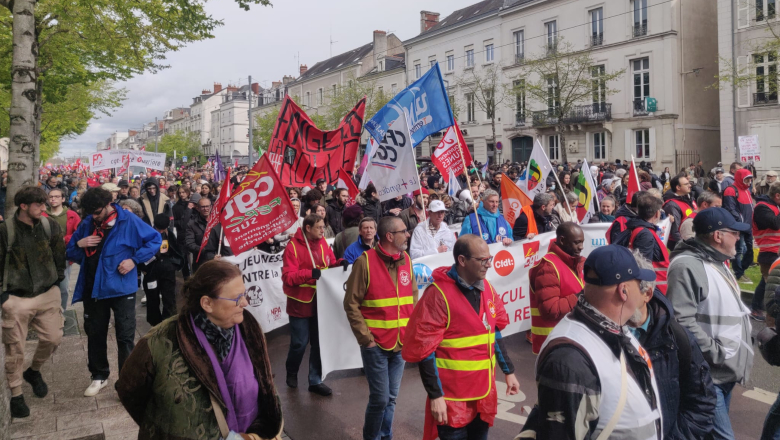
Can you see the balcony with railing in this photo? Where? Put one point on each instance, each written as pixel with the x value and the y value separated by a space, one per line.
pixel 520 118
pixel 764 98
pixel 639 30
pixel 640 108
pixel 579 114
pixel 597 39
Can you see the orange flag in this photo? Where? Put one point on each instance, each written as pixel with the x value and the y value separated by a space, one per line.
pixel 513 199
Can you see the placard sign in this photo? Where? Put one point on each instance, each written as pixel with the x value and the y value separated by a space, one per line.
pixel 749 149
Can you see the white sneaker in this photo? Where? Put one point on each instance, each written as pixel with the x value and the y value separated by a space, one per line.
pixel 143 301
pixel 95 387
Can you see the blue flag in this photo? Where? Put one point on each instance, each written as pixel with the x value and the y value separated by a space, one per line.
pixel 427 104
pixel 219 169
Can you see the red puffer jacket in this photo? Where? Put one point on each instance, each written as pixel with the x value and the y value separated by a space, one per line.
pixel 298 283
pixel 546 285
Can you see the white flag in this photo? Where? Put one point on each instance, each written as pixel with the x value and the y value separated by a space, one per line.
pixel 392 167
pixel 453 186
pixel 585 188
pixel 539 167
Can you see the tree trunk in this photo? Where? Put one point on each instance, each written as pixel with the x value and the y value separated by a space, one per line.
pixel 493 125
pixel 22 146
pixel 562 143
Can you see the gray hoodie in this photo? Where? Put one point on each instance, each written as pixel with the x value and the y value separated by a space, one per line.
pixel 687 287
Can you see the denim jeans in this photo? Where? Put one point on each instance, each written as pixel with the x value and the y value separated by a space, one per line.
pixel 772 422
pixel 302 332
pixel 744 257
pixel 476 430
pixel 384 370
pixel 64 287
pixel 722 424
pixel 97 314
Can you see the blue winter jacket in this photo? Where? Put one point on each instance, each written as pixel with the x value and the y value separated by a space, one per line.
pixel 130 238
pixel 687 394
pixel 355 250
pixel 492 225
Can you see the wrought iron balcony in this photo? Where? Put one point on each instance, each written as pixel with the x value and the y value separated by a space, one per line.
pixel 520 119
pixel 639 30
pixel 597 39
pixel 765 98
pixel 639 108
pixel 580 114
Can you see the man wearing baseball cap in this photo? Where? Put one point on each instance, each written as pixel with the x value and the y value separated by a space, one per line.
pixel 706 300
pixel 594 379
pixel 432 236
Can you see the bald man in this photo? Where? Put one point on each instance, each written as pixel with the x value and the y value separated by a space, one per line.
pixel 555 282
pixel 459 315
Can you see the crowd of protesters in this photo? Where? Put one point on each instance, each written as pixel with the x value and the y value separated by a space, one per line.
pixel 659 321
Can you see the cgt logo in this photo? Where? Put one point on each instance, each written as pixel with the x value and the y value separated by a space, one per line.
pixel 531 254
pixel 504 263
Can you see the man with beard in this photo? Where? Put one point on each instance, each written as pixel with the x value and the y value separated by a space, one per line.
pixel 153 202
pixel 414 214
pixel 335 209
pixel 535 219
pixel 124 189
pixel 679 205
pixel 194 237
pixel 377 313
pixel 495 185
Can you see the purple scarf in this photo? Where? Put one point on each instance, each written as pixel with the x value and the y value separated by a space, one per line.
pixel 235 379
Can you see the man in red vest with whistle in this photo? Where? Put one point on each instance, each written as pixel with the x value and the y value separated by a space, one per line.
pixel 381 292
pixel 555 282
pixel 642 234
pixel 454 336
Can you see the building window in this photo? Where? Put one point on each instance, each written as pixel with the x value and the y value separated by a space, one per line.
pixel 766 78
pixel 432 63
pixel 519 88
pixel 307 99
pixel 470 108
pixel 599 146
pixel 393 88
pixel 489 56
pixel 519 39
pixel 551 28
pixel 642 143
pixel 470 58
pixel 599 88
pixel 320 97
pixel 381 66
pixel 450 63
pixel 640 18
pixel 417 71
pixel 554 147
pixel 334 93
pixel 765 10
pixel 597 27
pixel 641 71
pixel 451 97
pixel 553 95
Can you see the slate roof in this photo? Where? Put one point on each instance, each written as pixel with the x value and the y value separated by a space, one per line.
pixel 467 14
pixel 338 62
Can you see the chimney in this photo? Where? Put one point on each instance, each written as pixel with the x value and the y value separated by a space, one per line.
pixel 304 68
pixel 217 87
pixel 287 78
pixel 231 88
pixel 275 84
pixel 256 88
pixel 428 20
pixel 380 44
pixel 205 92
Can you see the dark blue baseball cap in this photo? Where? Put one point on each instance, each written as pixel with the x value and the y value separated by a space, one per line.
pixel 613 265
pixel 714 219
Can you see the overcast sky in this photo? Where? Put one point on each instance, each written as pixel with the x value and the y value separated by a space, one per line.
pixel 263 42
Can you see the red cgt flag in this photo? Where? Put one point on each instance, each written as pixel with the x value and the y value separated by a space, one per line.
pixel 346 182
pixel 216 210
pixel 258 210
pixel 633 182
pixel 452 153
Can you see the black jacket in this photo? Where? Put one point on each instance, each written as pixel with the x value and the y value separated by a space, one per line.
pixel 520 229
pixel 181 217
pixel 387 205
pixel 687 392
pixel 333 212
pixel 194 237
pixel 164 264
pixel 644 242
pixel 624 211
pixel 371 208
pixel 673 209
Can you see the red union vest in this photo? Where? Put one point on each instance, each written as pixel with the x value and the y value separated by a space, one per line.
pixel 305 292
pixel 466 357
pixel 768 240
pixel 621 224
pixel 660 267
pixel 686 209
pixel 571 284
pixel 387 310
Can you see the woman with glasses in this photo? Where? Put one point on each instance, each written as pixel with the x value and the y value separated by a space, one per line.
pixel 206 372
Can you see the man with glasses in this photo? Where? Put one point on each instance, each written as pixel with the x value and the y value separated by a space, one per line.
pixel 194 237
pixel 108 246
pixel 738 201
pixel 679 205
pixel 706 300
pixel 380 296
pixel 68 221
pixel 454 334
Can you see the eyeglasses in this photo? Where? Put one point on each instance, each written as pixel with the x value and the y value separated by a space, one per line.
pixel 98 211
pixel 485 262
pixel 734 233
pixel 405 231
pixel 237 300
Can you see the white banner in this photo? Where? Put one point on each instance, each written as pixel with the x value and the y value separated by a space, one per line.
pixel 263 281
pixel 105 159
pixel 508 275
pixel 392 168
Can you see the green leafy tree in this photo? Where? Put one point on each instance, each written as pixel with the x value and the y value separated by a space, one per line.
pixel 183 143
pixel 561 77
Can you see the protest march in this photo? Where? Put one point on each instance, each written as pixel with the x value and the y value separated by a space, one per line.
pixel 621 286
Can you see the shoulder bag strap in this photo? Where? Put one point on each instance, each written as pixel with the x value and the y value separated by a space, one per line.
pixel 46 227
pixel 621 401
pixel 223 426
pixel 9 225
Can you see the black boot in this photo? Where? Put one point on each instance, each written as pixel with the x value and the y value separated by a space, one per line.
pixel 321 389
pixel 35 379
pixel 19 409
pixel 292 380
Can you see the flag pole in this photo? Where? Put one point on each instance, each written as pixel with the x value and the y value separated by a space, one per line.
pixel 473 199
pixel 636 174
pixel 555 173
pixel 219 247
pixel 305 240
